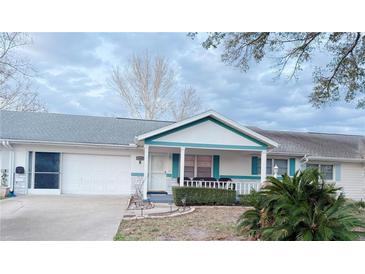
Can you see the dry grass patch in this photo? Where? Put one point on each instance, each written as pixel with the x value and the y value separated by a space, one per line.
pixel 206 223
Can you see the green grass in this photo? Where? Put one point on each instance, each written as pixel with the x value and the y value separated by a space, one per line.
pixel 119 237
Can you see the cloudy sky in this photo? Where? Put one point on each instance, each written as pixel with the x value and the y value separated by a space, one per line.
pixel 73 69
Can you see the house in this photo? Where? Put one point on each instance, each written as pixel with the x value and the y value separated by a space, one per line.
pixel 46 153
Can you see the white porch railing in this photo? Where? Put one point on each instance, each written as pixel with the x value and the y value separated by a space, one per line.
pixel 241 187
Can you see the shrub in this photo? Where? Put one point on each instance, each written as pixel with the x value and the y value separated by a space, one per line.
pixel 249 199
pixel 360 204
pixel 203 196
pixel 304 207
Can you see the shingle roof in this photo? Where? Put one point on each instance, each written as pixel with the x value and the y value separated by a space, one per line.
pixel 317 144
pixel 73 128
pixel 121 131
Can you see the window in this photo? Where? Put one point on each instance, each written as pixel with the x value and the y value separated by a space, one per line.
pixel 189 166
pixel 204 166
pixel 326 170
pixel 270 163
pixel 46 170
pixel 312 166
pixel 282 165
pixel 268 167
pixel 198 166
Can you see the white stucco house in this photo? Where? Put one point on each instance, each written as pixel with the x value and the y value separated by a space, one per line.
pixel 46 153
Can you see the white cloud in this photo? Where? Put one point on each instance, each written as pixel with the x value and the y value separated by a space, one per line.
pixel 73 71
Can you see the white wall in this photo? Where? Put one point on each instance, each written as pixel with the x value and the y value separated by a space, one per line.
pixel 207 133
pixel 353 180
pixel 4 159
pixel 136 167
pixel 235 163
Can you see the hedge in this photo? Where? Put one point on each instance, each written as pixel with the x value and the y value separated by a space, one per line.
pixel 244 200
pixel 203 196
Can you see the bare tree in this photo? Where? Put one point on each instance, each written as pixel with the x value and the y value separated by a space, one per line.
pixel 187 105
pixel 147 87
pixel 15 75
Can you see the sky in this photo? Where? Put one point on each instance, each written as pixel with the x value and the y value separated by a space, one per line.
pixel 73 71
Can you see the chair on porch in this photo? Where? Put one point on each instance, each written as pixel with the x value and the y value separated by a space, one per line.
pixel 224 181
pixel 187 181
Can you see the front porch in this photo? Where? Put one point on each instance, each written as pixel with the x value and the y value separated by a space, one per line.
pixel 239 170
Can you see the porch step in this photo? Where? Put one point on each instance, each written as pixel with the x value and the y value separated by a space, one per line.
pixel 160 198
pixel 156 192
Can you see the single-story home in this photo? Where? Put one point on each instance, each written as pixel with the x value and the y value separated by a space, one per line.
pixel 47 153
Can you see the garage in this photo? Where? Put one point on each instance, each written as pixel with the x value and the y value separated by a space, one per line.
pixel 95 174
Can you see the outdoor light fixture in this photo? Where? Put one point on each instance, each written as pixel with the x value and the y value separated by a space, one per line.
pixel 183 200
pixel 142 207
pixel 170 204
pixel 276 169
pixel 140 159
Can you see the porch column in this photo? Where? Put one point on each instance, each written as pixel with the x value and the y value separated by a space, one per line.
pixel 263 166
pixel 182 165
pixel 145 171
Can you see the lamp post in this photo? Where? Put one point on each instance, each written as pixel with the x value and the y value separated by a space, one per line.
pixel 276 169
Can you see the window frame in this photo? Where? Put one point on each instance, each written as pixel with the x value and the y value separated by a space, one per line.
pixel 325 164
pixel 272 159
pixel 196 164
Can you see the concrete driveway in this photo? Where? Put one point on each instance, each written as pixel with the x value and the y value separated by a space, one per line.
pixel 58 218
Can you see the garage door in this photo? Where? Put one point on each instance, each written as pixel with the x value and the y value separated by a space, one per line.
pixel 95 174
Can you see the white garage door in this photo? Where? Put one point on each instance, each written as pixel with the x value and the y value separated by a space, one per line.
pixel 95 174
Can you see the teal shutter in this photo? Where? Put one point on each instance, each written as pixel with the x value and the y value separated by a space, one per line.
pixel 254 165
pixel 338 172
pixel 216 166
pixel 175 165
pixel 291 166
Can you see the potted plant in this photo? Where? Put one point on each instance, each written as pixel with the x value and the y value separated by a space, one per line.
pixel 4 188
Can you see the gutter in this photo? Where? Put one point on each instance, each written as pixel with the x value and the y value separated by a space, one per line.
pixel 286 154
pixel 336 159
pixel 30 142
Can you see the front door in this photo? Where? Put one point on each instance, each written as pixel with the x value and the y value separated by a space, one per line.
pixel 157 180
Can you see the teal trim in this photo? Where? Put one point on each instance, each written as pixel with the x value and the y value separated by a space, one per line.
pixel 168 175
pixel 193 145
pixel 216 166
pixel 254 165
pixel 147 140
pixel 247 177
pixel 137 174
pixel 175 165
pixel 291 166
pixel 338 172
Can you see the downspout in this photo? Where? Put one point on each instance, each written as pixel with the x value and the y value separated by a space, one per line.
pixel 7 145
pixel 304 161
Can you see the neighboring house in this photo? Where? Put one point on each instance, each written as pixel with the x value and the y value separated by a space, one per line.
pixel 75 154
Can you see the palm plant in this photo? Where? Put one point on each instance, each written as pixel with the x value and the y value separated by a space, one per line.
pixel 303 207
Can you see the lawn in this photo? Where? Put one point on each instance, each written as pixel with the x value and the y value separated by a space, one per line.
pixel 206 223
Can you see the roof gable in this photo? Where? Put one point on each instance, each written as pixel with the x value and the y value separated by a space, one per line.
pixel 208 128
